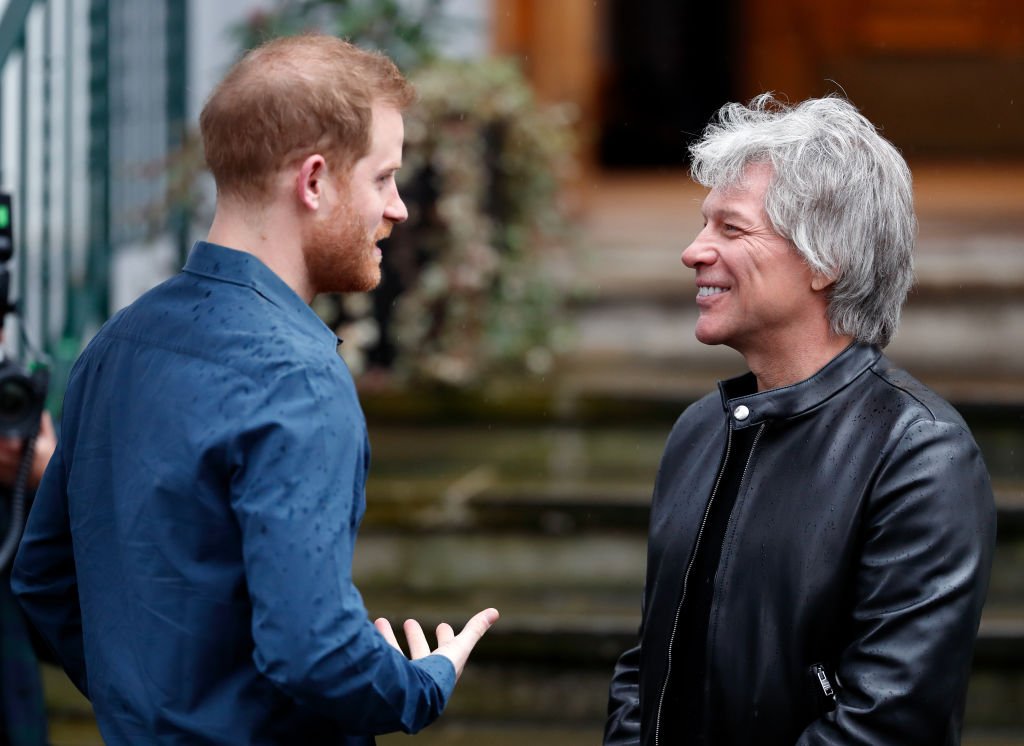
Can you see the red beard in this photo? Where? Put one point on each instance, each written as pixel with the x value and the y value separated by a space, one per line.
pixel 340 256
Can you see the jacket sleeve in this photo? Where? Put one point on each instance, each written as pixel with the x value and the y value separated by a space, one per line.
pixel 297 493
pixel 43 575
pixel 622 728
pixel 919 589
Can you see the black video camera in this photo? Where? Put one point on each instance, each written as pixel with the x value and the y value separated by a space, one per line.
pixel 22 392
pixel 22 396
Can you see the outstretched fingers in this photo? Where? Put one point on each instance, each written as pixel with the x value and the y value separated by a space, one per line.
pixel 384 627
pixel 445 634
pixel 418 645
pixel 455 647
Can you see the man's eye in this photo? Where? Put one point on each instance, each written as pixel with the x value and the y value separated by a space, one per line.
pixel 730 228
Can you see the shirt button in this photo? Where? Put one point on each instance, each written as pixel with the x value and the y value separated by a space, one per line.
pixel 741 413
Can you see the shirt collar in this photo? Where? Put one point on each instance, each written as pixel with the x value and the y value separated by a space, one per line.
pixel 746 406
pixel 222 264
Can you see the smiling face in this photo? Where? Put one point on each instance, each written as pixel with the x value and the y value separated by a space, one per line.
pixel 342 254
pixel 755 292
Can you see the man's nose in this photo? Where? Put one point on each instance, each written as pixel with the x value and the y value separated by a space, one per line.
pixel 396 210
pixel 700 251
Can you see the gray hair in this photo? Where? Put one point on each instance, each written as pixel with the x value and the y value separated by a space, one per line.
pixel 841 194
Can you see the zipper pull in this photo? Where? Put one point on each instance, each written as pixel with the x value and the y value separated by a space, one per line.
pixel 826 692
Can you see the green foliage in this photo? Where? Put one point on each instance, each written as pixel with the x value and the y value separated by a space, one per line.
pixel 486 296
pixel 407 32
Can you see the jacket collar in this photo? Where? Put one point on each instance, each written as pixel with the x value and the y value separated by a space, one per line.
pixel 746 406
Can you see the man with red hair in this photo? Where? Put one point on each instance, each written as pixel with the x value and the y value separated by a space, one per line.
pixel 189 554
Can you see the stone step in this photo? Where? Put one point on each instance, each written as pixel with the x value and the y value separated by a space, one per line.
pixel 962 347
pixel 479 500
pixel 571 598
pixel 530 691
pixel 452 732
pixel 958 261
pixel 637 225
pixel 611 441
pixel 555 669
pixel 634 313
pixel 560 513
pixel 560 544
pixel 455 730
pixel 608 387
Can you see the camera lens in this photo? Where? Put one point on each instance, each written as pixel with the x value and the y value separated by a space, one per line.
pixel 22 396
pixel 16 400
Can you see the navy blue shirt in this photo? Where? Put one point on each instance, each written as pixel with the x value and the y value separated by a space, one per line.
pixel 189 552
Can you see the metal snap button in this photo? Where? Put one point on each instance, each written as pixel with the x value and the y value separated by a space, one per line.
pixel 741 412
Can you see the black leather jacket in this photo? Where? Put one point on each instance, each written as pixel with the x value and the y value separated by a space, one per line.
pixel 861 541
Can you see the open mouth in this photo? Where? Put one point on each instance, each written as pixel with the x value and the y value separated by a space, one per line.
pixel 705 291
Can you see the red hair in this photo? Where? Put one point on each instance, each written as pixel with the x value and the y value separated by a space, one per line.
pixel 289 98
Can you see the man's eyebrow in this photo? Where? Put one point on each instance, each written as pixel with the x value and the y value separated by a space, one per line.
pixel 724 213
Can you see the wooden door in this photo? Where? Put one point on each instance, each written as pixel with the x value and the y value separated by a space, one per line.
pixel 942 77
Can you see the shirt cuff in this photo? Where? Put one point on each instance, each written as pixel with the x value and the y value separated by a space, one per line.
pixel 441 670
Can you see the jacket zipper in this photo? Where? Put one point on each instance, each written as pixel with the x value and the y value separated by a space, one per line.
pixel 689 566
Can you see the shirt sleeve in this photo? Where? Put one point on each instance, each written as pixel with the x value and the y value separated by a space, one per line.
pixel 298 494
pixel 919 591
pixel 43 575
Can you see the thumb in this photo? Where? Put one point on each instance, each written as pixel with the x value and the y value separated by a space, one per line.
pixel 479 624
pixel 459 648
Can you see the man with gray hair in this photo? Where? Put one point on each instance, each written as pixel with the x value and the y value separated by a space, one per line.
pixel 822 527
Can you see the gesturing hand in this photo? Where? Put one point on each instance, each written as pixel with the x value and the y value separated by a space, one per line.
pixel 454 647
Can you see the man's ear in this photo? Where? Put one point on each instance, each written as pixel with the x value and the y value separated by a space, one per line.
pixel 310 180
pixel 819 281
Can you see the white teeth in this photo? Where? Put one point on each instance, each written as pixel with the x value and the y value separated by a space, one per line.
pixel 705 290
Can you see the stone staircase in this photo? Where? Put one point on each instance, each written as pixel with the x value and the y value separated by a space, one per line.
pixel 563 557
